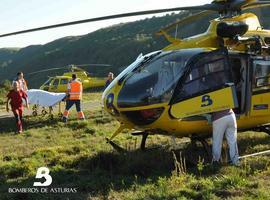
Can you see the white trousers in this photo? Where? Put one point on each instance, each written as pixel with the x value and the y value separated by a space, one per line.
pixel 225 125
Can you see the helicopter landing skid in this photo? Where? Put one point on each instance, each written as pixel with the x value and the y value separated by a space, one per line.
pixel 205 145
pixel 121 149
pixel 115 146
pixel 265 129
pixel 144 137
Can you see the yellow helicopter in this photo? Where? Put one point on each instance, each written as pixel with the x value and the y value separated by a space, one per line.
pixel 59 83
pixel 168 91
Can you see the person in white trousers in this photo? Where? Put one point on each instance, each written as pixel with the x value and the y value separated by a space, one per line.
pixel 224 122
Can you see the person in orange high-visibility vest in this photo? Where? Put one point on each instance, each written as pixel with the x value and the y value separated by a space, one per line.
pixel 74 96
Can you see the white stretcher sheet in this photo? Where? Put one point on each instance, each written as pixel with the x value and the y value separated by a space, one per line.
pixel 44 98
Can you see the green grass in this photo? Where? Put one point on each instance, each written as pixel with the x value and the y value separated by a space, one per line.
pixel 92 96
pixel 78 156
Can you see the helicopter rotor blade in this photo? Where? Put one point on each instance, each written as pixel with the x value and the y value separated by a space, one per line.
pixel 238 4
pixel 213 6
pixel 69 66
pixel 216 5
pixel 46 70
pixel 93 64
pixel 186 20
pixel 259 4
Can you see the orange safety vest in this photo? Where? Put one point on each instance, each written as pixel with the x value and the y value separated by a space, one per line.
pixel 75 90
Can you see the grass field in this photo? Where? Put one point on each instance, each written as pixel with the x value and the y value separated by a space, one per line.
pixel 79 157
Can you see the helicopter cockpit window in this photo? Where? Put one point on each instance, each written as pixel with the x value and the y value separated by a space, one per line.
pixel 55 82
pixel 47 83
pixel 262 76
pixel 154 81
pixel 205 77
pixel 64 81
pixel 205 69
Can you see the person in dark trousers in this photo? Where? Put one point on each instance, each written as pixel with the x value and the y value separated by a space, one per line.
pixel 109 79
pixel 74 96
pixel 15 98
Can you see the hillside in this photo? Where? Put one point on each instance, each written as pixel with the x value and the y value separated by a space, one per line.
pixel 117 45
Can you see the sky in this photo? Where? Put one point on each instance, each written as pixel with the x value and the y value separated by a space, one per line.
pixel 17 15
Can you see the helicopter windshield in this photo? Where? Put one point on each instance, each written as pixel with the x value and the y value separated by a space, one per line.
pixel 154 81
pixel 130 68
pixel 47 83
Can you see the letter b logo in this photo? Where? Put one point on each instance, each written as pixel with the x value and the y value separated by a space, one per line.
pixel 43 172
pixel 206 101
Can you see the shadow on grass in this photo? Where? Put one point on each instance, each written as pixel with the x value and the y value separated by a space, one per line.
pixel 98 175
pixel 245 143
pixel 8 124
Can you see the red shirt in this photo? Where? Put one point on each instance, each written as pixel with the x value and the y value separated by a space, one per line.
pixel 16 98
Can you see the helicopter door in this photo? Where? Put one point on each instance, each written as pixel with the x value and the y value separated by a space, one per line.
pixel 63 85
pixel 260 87
pixel 54 86
pixel 206 88
pixel 241 81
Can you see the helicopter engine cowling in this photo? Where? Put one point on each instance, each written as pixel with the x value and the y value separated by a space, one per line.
pixel 231 29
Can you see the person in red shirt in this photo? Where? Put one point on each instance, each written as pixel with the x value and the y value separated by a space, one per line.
pixel 21 81
pixel 15 98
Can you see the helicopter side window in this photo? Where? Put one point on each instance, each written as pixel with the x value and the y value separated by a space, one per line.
pixel 261 76
pixel 56 82
pixel 204 78
pixel 64 81
pixel 205 69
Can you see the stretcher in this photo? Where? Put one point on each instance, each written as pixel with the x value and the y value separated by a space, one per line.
pixel 44 99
